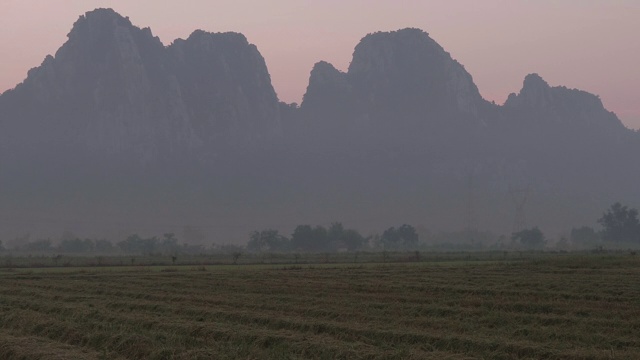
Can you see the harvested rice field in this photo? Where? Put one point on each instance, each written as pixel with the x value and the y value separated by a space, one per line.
pixel 557 307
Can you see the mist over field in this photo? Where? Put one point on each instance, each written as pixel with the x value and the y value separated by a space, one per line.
pixel 117 134
pixel 162 201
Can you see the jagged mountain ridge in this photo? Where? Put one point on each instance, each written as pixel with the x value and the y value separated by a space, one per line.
pixel 404 73
pixel 408 69
pixel 114 89
pixel 381 142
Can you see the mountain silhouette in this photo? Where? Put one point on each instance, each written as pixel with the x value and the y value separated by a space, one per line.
pixel 116 126
pixel 113 90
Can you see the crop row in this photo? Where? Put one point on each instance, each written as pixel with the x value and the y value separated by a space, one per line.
pixel 524 310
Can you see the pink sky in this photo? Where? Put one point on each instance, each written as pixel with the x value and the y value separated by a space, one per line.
pixel 593 45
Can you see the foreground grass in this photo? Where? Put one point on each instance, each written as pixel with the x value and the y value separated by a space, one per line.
pixel 585 307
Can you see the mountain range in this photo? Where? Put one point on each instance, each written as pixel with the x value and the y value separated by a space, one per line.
pixel 117 133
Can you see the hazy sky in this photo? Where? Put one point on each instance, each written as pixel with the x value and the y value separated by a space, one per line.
pixel 586 44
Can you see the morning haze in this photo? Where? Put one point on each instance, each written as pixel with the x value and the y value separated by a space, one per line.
pixel 283 180
pixel 117 134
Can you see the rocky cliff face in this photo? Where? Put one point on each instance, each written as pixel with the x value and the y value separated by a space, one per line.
pixel 329 101
pixel 225 85
pixel 327 85
pixel 397 76
pixel 408 66
pixel 560 105
pixel 115 91
pixel 405 79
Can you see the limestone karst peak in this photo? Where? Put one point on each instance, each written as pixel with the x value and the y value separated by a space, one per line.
pixel 99 20
pixel 535 93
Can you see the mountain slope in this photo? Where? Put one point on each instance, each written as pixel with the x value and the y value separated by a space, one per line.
pixel 114 91
pixel 396 79
pixel 118 129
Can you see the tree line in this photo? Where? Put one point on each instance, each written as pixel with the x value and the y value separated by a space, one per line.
pixel 620 225
pixel 134 244
pixel 335 238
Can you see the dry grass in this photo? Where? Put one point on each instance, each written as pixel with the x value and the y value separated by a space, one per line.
pixel 558 308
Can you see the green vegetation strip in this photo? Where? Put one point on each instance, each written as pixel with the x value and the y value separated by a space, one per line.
pixel 585 307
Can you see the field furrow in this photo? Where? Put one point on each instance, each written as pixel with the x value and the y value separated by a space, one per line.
pixel 588 308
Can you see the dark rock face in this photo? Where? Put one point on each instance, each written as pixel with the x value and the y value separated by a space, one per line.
pixel 407 68
pixel 113 90
pixel 226 88
pixel 562 105
pixel 397 78
pixel 535 93
pixel 329 92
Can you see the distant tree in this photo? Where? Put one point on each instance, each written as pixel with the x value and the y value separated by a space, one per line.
pixel 532 239
pixel 301 237
pixel 76 245
pixel 390 239
pixel 340 238
pixel 404 237
pixel 1 246
pixel 267 241
pixel 585 236
pixel 236 256
pixel 335 236
pixel 257 242
pixel 620 224
pixel 169 244
pixel 309 239
pixel 353 240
